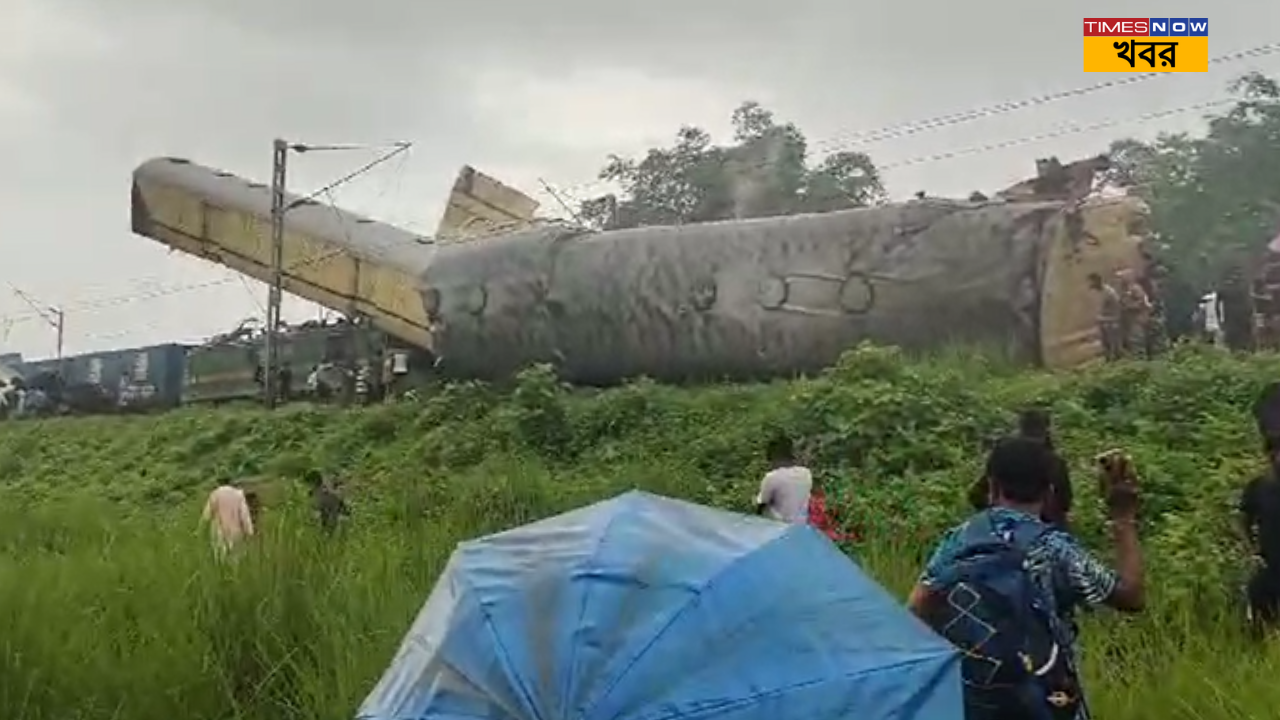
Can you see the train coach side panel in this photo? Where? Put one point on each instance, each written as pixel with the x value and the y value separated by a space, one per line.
pixel 156 371
pixel 740 299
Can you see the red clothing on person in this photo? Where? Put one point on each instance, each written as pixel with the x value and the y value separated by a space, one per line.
pixel 822 519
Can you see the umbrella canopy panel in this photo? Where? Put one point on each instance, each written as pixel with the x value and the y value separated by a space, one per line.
pixel 652 608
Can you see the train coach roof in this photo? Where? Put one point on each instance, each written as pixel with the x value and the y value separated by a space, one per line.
pixel 361 236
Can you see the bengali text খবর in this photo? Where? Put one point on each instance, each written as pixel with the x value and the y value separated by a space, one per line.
pixel 1130 52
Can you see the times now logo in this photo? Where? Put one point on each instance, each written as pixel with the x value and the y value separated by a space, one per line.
pixel 1146 27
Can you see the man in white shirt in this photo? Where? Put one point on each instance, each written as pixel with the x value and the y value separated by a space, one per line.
pixel 785 489
pixel 1211 317
pixel 230 518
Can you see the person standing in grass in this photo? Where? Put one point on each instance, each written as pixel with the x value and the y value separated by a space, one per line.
pixel 1236 302
pixel 1035 424
pixel 1002 587
pixel 230 517
pixel 1260 515
pixel 329 504
pixel 1108 317
pixel 785 489
pixel 1135 314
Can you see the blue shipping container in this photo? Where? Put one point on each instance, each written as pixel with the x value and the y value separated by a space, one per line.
pixel 148 374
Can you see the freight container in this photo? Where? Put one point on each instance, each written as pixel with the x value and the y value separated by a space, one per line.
pixel 143 377
pixel 231 370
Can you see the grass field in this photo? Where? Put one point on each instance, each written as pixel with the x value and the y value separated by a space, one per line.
pixel 111 608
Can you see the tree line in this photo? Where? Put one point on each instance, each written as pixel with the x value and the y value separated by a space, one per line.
pixel 1214 197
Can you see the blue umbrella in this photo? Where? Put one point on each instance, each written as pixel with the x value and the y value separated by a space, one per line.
pixel 648 608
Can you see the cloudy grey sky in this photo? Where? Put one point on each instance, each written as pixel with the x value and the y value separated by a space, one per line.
pixel 521 90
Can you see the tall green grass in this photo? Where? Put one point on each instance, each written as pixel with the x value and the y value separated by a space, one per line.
pixel 111 606
pixel 134 620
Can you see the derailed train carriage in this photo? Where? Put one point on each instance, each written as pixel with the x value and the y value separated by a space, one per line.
pixel 734 299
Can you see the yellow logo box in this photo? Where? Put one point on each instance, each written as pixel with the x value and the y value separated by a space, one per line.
pixel 1146 54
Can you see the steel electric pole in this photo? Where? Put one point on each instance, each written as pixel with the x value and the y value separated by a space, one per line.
pixel 279 173
pixel 59 324
pixel 54 316
pixel 279 176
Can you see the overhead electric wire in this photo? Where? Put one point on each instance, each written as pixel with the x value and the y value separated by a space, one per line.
pixel 327 189
pixel 912 128
pixel 321 147
pixel 252 295
pixel 151 280
pixel 1068 130
pixel 393 186
pixel 924 159
pixel 1061 132
pixel 399 148
pixel 850 140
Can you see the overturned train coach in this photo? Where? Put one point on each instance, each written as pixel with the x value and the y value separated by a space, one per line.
pixel 735 299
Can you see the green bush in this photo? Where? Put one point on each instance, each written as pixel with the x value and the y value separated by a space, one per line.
pixel 111 608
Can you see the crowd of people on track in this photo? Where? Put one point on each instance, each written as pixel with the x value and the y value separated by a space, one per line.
pixel 1006 584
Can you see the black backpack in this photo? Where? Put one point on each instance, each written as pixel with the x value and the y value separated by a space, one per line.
pixel 1017 661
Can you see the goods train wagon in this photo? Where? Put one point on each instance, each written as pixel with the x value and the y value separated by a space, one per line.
pixel 144 376
pixel 229 370
pixel 735 299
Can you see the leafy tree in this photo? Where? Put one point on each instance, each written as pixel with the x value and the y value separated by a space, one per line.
pixel 763 173
pixel 1215 199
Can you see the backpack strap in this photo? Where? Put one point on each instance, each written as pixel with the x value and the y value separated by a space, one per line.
pixel 980 538
pixel 1026 535
pixel 978 541
pixel 1023 539
pixel 981 533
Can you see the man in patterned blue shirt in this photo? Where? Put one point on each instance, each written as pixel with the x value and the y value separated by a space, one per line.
pixel 1019 472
